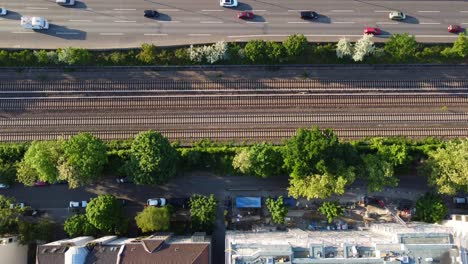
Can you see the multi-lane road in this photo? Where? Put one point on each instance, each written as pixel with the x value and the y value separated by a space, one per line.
pixel 120 23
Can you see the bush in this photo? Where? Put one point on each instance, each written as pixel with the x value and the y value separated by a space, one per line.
pixel 148 54
pixel 277 209
pixel 401 47
pixel 430 208
pixel 295 45
pixel 78 225
pixel 75 56
pixel 153 219
pixel 331 210
pixel 256 51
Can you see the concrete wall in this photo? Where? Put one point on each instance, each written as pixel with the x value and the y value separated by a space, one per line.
pixel 13 252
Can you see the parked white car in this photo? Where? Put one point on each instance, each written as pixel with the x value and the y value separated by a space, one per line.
pixel 228 3
pixel 20 205
pixel 77 204
pixel 4 186
pixel 156 202
pixel 3 11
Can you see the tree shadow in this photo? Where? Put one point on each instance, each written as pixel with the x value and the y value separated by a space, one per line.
pixel 12 15
pixel 63 32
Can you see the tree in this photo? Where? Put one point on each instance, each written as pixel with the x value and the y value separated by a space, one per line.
pixel 261 160
pixel 363 47
pixel 9 216
pixel 148 53
pixel 105 213
pixel 378 173
pixel 26 174
pixel 78 225
pixel 74 56
pixel 29 232
pixel 7 172
pixel 203 212
pixel 344 48
pixel 448 167
pixel 276 51
pixel 430 208
pixel 277 210
pixel 83 160
pixel 401 47
pixel 256 51
pixel 42 157
pixel 395 150
pixel 243 161
pixel 153 219
pixel 317 186
pixel 152 159
pixel 295 45
pixel 331 210
pixel 460 47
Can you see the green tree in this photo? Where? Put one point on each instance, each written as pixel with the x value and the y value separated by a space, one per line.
pixel 152 159
pixel 276 51
pixel 460 47
pixel 105 213
pixel 203 212
pixel 153 219
pixel 78 225
pixel 29 232
pixel 277 209
pixel 295 45
pixel 394 149
pixel 378 173
pixel 75 56
pixel 9 217
pixel 317 186
pixel 261 160
pixel 7 172
pixel 401 47
pixel 148 53
pixel 26 174
pixel 256 51
pixel 331 210
pixel 23 58
pixel 83 160
pixel 43 157
pixel 430 208
pixel 448 167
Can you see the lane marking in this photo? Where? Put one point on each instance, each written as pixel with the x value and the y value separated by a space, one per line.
pixel 111 34
pixel 295 10
pixel 79 20
pixel 155 34
pixel 298 22
pixel 429 23
pixel 22 32
pixel 124 9
pixel 67 33
pixel 199 35
pixel 257 22
pixel 168 21
pixel 169 10
pixel 464 23
pixel 463 11
pixel 211 22
pixel 429 11
pixel 382 11
pixel 386 23
pixel 258 36
pixel 212 10
pixel 339 35
pixel 37 8
pixel 341 22
pixel 342 11
pixel 124 21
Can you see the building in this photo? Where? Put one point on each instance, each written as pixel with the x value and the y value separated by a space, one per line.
pixel 12 252
pixel 382 244
pixel 67 251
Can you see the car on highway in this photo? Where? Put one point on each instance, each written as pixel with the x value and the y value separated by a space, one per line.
pixel 40 184
pixel 454 29
pixel 372 31
pixel 65 2
pixel 245 15
pixel 151 13
pixel 228 3
pixel 156 202
pixel 397 15
pixel 308 15
pixel 3 11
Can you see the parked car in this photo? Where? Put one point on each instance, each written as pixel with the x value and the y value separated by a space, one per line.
pixel 397 15
pixel 156 202
pixel 4 186
pixel 460 200
pixel 3 11
pixel 20 205
pixel 40 184
pixel 151 13
pixel 73 204
pixel 309 15
pixel 454 29
pixel 65 2
pixel 245 15
pixel 124 180
pixel 372 31
pixel 228 3
pixel 179 202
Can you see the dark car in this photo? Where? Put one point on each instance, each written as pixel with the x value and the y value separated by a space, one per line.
pixel 309 15
pixel 454 29
pixel 179 202
pixel 151 13
pixel 245 15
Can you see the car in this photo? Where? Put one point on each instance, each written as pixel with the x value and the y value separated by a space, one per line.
pixel 3 11
pixel 74 204
pixel 397 15
pixel 151 13
pixel 40 184
pixel 245 15
pixel 126 179
pixel 460 200
pixel 20 205
pixel 179 202
pixel 156 202
pixel 454 29
pixel 372 31
pixel 65 2
pixel 309 15
pixel 4 186
pixel 228 3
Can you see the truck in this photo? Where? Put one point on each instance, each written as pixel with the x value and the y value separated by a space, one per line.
pixel 34 22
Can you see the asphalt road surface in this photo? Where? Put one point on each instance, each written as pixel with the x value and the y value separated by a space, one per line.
pixel 120 23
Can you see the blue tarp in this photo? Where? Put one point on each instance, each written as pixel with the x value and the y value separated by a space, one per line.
pixel 248 202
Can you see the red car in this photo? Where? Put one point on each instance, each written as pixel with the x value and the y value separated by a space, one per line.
pixel 245 15
pixel 372 31
pixel 455 29
pixel 40 184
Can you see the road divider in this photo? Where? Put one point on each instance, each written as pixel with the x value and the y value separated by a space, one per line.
pixel 37 8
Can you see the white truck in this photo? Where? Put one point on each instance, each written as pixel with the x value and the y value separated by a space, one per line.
pixel 34 23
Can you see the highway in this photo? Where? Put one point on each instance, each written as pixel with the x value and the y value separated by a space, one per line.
pixel 120 23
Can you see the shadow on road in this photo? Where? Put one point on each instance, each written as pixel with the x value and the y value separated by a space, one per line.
pixel 80 4
pixel 162 17
pixel 256 18
pixel 12 15
pixel 410 20
pixel 242 7
pixel 322 19
pixel 63 32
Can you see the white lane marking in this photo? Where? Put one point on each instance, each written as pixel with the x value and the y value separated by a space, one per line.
pixel 298 22
pixel 125 21
pixel 463 11
pixel 429 23
pixel 37 8
pixel 428 11
pixel 382 11
pixel 79 20
pixel 67 33
pixel 344 11
pixel 436 36
pixel 199 35
pixel 338 35
pixel 340 22
pixel 155 34
pixel 169 10
pixel 22 32
pixel 211 22
pixel 296 10
pixel 256 22
pixel 111 34
pixel 124 9
pixel 168 21
pixel 258 36
pixel 212 10
pixel 386 23
pixel 464 23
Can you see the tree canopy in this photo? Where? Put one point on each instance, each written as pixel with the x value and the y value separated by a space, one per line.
pixel 331 210
pixel 277 209
pixel 295 45
pixel 9 217
pixel 153 219
pixel 378 173
pixel 152 159
pixel 42 157
pixel 203 212
pixel 30 232
pixel 261 160
pixel 430 208
pixel 401 47
pixel 78 225
pixel 105 213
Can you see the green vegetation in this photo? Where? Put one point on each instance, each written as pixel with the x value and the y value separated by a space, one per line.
pixel 78 225
pixel 430 208
pixel 105 213
pixel 153 219
pixel 30 233
pixel 203 212
pixel 277 209
pixel 261 160
pixel 40 162
pixel 9 217
pixel 331 210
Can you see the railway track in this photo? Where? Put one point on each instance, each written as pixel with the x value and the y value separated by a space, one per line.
pixel 254 135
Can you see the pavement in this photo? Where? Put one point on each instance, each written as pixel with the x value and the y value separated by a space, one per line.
pixel 120 23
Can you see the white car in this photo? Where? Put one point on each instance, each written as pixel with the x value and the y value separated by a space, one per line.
pixel 156 202
pixel 4 186
pixel 397 15
pixel 228 3
pixel 65 2
pixel 20 205
pixel 77 204
pixel 3 11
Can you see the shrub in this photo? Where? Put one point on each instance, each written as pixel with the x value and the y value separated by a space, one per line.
pixel 344 48
pixel 75 56
pixel 363 47
pixel 210 54
pixel 256 51
pixel 401 47
pixel 148 53
pixel 295 45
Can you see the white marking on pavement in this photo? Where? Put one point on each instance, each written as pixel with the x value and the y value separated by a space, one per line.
pixel 37 8
pixel 298 22
pixel 199 35
pixel 429 23
pixel 464 23
pixel 212 10
pixel 295 10
pixel 463 11
pixel 111 34
pixel 339 11
pixel 169 10
pixel 340 22
pixel 386 23
pixel 79 20
pixel 155 34
pixel 429 11
pixel 436 36
pixel 124 21
pixel 256 22
pixel 67 33
pixel 168 21
pixel 211 22
pixel 382 11
pixel 256 36
pixel 339 35
pixel 124 9
pixel 22 32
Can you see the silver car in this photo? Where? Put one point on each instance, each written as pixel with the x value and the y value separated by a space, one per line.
pixel 396 15
pixel 65 2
